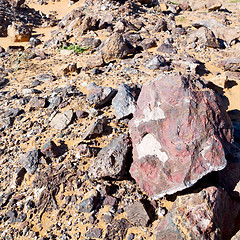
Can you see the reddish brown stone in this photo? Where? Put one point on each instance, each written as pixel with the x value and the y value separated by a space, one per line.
pixel 179 132
pixel 209 214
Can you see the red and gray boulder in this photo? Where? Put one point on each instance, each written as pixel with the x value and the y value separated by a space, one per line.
pixel 209 214
pixel 179 133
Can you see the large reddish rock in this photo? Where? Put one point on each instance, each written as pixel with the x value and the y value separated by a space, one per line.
pixel 179 133
pixel 209 214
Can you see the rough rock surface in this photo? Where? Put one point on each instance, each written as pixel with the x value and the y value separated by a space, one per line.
pixel 137 214
pixel 112 160
pixel 62 120
pixel 209 214
pixel 115 47
pixel 30 161
pixel 124 102
pixel 179 132
pixel 98 95
pixel 205 37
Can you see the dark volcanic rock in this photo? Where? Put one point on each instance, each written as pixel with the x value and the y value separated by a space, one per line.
pixel 115 47
pixel 30 160
pixel 230 64
pixel 98 96
pixel 96 129
pixel 50 149
pixel 179 133
pixel 117 229
pixel 209 214
pixel 88 204
pixel 205 37
pixel 112 160
pixel 124 103
pixel 155 62
pixel 137 214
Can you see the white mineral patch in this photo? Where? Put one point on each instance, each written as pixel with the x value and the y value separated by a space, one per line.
pixel 150 146
pixel 151 114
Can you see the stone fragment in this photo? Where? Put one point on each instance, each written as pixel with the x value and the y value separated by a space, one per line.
pixel 98 96
pixel 51 150
pixel 124 103
pixel 37 102
pixel 230 64
pixel 209 214
pixel 69 68
pixel 34 41
pixel 62 120
pixel 86 151
pixel 88 205
pixel 117 230
pixel 3 82
pixel 19 32
pixel 115 47
pixel 145 1
pixel 179 133
pixel 205 37
pixel 81 114
pixel 161 26
pixel 109 200
pixel 137 214
pixel 147 43
pixel 16 3
pixel 30 160
pixel 96 129
pixel 188 65
pixel 95 61
pixel 155 62
pixel 45 77
pixel 94 233
pixel 112 160
pixel 167 48
pixel 228 34
pixel 19 176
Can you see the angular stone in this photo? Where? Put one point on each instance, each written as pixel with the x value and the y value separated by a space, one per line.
pixel 137 214
pixel 117 230
pixel 205 37
pixel 62 120
pixel 115 47
pixel 88 205
pixel 179 133
pixel 30 161
pixel 167 48
pixel 51 150
pixel 124 104
pixel 96 129
pixel 94 233
pixel 95 61
pixel 3 82
pixel 112 160
pixel 19 32
pixel 98 96
pixel 37 102
pixel 19 176
pixel 230 64
pixel 209 214
pixel 155 62
pixel 227 34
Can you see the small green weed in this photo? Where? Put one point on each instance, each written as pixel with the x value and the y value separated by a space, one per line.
pixel 76 48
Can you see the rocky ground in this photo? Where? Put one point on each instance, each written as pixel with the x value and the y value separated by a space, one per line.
pixel 119 119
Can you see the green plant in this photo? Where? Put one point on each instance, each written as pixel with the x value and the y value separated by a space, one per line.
pixel 173 2
pixel 234 1
pixel 76 48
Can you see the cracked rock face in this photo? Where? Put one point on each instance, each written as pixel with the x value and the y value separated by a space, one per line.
pixel 179 133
